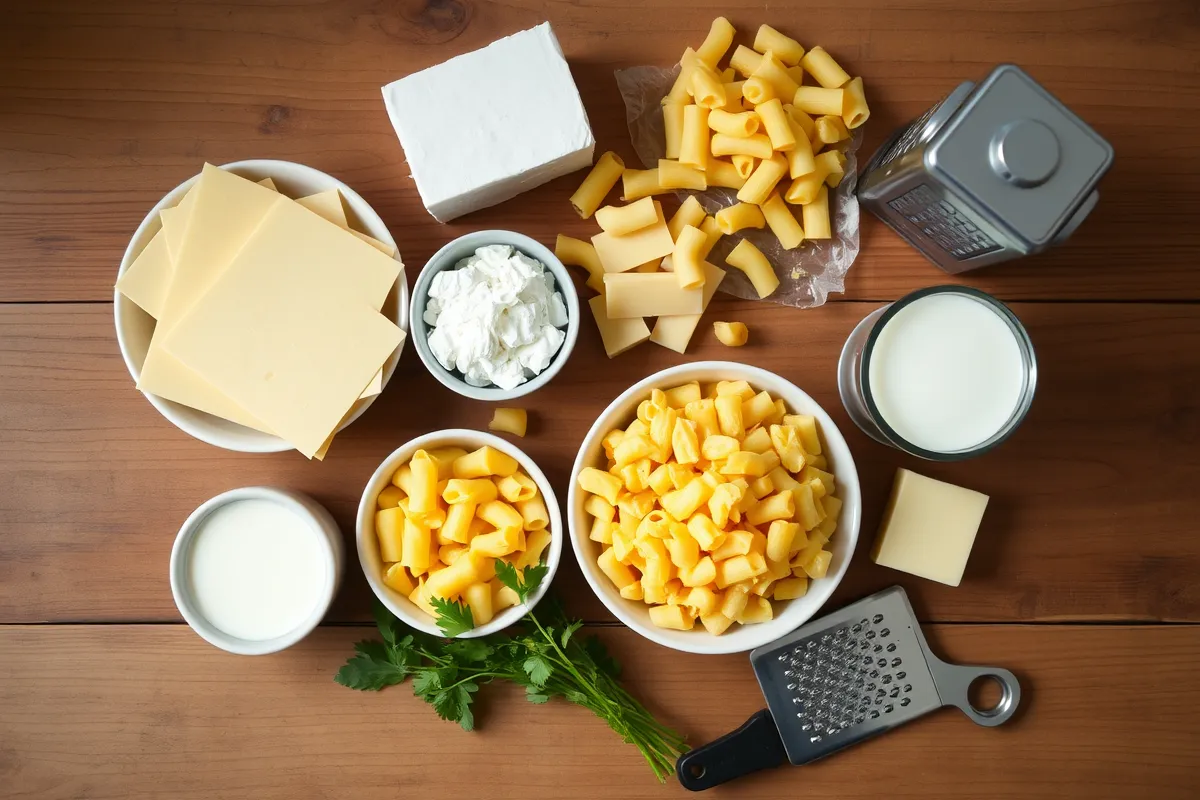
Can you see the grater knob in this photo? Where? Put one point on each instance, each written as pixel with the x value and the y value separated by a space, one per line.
pixel 1024 152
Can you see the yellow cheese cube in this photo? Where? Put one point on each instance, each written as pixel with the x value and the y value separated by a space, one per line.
pixel 806 426
pixel 757 609
pixel 420 599
pixel 703 599
pixel 716 624
pixel 813 473
pixel 397 578
pixel 806 512
pixel 819 566
pixel 672 617
pixel 780 536
pixel 734 600
pixel 757 441
pixel 790 588
pixel 478 597
pixel 389 530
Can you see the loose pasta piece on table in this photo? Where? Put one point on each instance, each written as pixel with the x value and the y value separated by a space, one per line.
pixel 639 183
pixel 578 253
pixel 620 220
pixel 720 36
pixel 854 104
pixel 787 49
pixel 510 420
pixel 824 69
pixel 731 334
pixel 686 258
pixel 598 183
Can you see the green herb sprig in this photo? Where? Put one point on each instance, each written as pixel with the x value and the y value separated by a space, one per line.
pixel 545 656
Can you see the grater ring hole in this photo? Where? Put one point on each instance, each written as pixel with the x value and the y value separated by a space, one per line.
pixel 987 695
pixel 696 770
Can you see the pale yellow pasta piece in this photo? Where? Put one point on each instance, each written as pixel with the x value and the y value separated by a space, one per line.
pixel 690 213
pixel 673 127
pixel 423 497
pixel 723 173
pixel 800 158
pixel 693 147
pixel 617 572
pixel 741 124
pixel 834 162
pixel 806 188
pixel 601 531
pixel 782 222
pixel 781 505
pixel 533 513
pixel 739 217
pixel 818 100
pixel 598 183
pixel 712 233
pixel 785 440
pixel 740 388
pixel 415 547
pixel 733 97
pixel 621 220
pixel 499 514
pixel 457 527
pixel 787 49
pixel 757 146
pixel 685 443
pixel 639 183
pixel 717 448
pixel 633 447
pixel 729 417
pixel 600 483
pixel 390 497
pixel 445 457
pixel 469 490
pixel 704 414
pixel 816 215
pixel 484 462
pixel 600 508
pixel 680 396
pixel 674 175
pixel 771 70
pixel 578 253
pixel 683 81
pixel 780 536
pixel 744 164
pixel 800 118
pixel 397 578
pixel 720 36
pixel 478 597
pixel 758 408
pixel 389 531
pixel 744 462
pixel 635 475
pixel 672 617
pixel 682 503
pixel 777 124
pixel 686 259
pixel 761 183
pixel 854 104
pixel 831 129
pixel 790 588
pixel 744 60
pixel 731 334
pixel 757 90
pixel 706 87
pixel 806 427
pixel 750 260
pixel 825 70
pixel 517 487
pixel 509 420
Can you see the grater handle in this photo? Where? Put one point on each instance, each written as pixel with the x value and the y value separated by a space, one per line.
pixel 754 746
pixel 954 681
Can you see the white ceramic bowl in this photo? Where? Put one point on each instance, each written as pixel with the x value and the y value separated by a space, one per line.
pixel 368 545
pixel 323 527
pixel 788 614
pixel 446 258
pixel 135 326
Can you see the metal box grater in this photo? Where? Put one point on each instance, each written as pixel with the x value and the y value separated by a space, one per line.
pixel 992 172
pixel 846 677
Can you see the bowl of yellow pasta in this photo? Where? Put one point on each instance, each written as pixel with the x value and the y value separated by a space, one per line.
pixel 714 507
pixel 438 515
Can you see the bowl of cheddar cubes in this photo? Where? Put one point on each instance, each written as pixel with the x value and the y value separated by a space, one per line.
pixel 440 515
pixel 714 507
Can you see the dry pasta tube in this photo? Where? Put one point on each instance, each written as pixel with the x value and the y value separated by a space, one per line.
pixel 854 104
pixel 760 184
pixel 673 127
pixel 800 118
pixel 741 124
pixel 578 253
pixel 815 100
pixel 800 157
pixel 731 334
pixel 723 173
pixel 673 175
pixel 757 145
pixel 599 182
pixel 690 213
pixel 707 88
pixel 782 222
pixel 650 266
pixel 835 162
pixel 639 183
pixel 777 124
pixel 739 217
pixel 824 69
pixel 831 129
pixel 693 147
pixel 720 36
pixel 733 96
pixel 744 60
pixel 757 90
pixel 796 73
pixel 687 261
pixel 679 89
pixel 620 220
pixel 712 233
pixel 744 164
pixel 816 215
pixel 805 188
pixel 787 49
pixel 750 260
pixel 770 70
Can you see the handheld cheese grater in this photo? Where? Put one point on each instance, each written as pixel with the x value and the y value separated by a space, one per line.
pixel 846 677
pixel 992 172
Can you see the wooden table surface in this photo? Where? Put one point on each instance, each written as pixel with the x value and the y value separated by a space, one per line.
pixel 1085 579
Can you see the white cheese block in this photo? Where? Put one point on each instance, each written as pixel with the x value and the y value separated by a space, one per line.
pixel 487 125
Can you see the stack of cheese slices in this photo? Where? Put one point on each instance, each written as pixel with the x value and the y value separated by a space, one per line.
pixel 267 308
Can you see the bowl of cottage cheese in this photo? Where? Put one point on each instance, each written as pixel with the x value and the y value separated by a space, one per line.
pixel 494 315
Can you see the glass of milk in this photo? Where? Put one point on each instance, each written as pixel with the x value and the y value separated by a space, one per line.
pixel 944 373
pixel 254 570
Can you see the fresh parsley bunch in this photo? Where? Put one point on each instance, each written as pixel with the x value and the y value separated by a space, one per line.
pixel 546 657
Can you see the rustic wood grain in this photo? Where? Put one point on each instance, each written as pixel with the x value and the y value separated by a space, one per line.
pixel 152 711
pixel 106 106
pixel 1093 501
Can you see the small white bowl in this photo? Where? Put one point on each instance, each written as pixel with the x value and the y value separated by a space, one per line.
pixel 323 527
pixel 368 545
pixel 789 614
pixel 447 258
pixel 135 326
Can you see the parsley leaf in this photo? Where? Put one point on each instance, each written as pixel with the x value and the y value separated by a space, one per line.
pixel 385 622
pixel 426 682
pixel 370 670
pixel 569 631
pixel 538 669
pixel 471 651
pixel 524 584
pixel 453 617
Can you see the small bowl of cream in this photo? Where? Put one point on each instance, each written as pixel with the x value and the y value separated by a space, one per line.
pixel 494 315
pixel 253 570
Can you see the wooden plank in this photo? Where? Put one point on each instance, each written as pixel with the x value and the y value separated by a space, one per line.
pixel 110 105
pixel 1093 501
pixel 152 711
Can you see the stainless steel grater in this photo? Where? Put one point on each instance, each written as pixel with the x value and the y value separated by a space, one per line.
pixel 846 677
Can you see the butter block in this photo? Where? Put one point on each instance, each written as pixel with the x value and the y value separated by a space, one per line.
pixel 928 528
pixel 675 332
pixel 657 294
pixel 618 335
pixel 487 125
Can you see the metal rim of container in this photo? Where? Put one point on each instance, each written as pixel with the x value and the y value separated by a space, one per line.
pixel 1019 412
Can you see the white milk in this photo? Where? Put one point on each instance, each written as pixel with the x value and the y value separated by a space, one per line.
pixel 946 372
pixel 256 569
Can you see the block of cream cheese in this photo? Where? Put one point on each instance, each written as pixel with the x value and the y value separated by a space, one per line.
pixel 487 125
pixel 929 528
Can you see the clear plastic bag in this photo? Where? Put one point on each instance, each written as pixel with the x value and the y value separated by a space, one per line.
pixel 808 273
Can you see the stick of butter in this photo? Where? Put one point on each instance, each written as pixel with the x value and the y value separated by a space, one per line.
pixel 928 528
